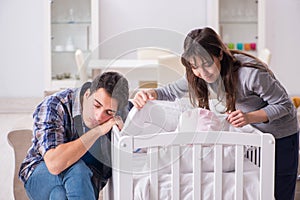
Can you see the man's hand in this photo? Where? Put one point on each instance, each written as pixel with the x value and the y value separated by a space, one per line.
pixel 107 126
pixel 119 122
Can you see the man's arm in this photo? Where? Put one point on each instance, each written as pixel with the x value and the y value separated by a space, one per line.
pixel 64 155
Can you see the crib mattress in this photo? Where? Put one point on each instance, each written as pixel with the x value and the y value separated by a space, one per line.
pixel 251 183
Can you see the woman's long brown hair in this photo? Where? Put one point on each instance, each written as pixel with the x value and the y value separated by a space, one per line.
pixel 205 43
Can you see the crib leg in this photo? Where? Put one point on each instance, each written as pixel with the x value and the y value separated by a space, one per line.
pixel 107 191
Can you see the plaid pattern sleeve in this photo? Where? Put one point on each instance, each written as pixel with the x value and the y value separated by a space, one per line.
pixel 50 119
pixel 53 124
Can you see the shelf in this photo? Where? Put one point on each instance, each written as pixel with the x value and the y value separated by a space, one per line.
pixel 73 25
pixel 70 22
pixel 53 51
pixel 64 83
pixel 63 51
pixel 238 22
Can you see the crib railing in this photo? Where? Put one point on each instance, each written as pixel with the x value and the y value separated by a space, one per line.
pixel 197 169
pixel 262 155
pixel 253 154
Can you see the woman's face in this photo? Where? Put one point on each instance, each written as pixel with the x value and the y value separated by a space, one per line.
pixel 208 70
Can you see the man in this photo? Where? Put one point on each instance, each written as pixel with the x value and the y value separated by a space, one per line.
pixel 70 153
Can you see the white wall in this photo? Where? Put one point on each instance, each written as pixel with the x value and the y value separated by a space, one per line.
pixel 283 39
pixel 23 36
pixel 124 15
pixel 129 24
pixel 21 49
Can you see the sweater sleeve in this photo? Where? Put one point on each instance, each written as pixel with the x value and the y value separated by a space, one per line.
pixel 176 89
pixel 271 91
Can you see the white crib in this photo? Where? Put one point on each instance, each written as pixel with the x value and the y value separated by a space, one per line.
pixel 215 184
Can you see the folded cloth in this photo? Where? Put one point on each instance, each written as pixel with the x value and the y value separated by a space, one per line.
pixel 155 117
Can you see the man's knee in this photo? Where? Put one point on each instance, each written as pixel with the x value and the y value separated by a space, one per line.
pixel 79 169
pixel 58 193
pixel 77 181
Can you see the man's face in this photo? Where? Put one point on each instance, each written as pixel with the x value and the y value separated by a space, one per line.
pixel 98 108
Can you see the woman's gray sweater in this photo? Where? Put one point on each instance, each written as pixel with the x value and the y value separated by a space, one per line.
pixel 257 90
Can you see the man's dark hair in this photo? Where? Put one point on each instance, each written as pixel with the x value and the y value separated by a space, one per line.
pixel 115 85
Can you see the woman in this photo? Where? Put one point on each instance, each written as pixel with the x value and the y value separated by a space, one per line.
pixel 248 91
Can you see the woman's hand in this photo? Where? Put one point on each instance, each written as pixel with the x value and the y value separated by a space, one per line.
pixel 141 97
pixel 237 118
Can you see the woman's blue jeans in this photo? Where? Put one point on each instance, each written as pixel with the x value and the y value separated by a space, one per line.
pixel 73 183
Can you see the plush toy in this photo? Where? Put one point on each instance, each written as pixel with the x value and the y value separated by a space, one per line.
pixel 296 101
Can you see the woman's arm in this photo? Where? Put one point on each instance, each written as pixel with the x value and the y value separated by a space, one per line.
pixel 239 119
pixel 262 98
pixel 271 91
pixel 169 92
pixel 173 90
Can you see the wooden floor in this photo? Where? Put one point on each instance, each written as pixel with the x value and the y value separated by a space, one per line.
pixel 297 195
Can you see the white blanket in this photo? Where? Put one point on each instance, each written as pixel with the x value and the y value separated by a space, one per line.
pixel 161 116
pixel 251 183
